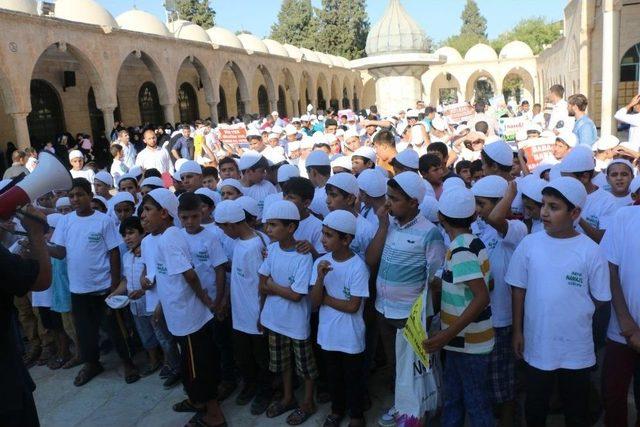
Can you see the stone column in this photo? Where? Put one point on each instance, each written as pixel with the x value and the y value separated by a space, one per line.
pixel 247 106
pixel 107 114
pixel 22 130
pixel 610 65
pixel 169 113
pixel 397 87
pixel 273 105
pixel 296 107
pixel 213 111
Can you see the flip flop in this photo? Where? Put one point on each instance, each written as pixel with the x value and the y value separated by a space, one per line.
pixel 56 363
pixel 186 406
pixel 277 408
pixel 299 416
pixel 72 363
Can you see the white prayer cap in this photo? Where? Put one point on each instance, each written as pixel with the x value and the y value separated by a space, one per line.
pixel 567 137
pixel 531 186
pixel 546 165
pixel 126 176
pixel 101 200
pixel 346 182
pixel 572 189
pixel 253 133
pixel 276 129
pixel 412 114
pixel 136 171
pixel 342 162
pixel 275 157
pixel 499 151
pixel 214 196
pixel 457 202
pixel 555 171
pixel 105 178
pixel 248 159
pixel 250 205
pixel 579 159
pixel 65 201
pixel 429 208
pixel 203 160
pixel 121 197
pixel 439 123
pixel 417 137
pixel 606 142
pixel 533 127
pixel 281 209
pixel 178 164
pixel 625 162
pixel 75 154
pixel 329 138
pixel 340 220
pixel 351 133
pixel 304 118
pixel 229 212
pixel 317 158
pixel 340 132
pixel 493 186
pixel 290 130
pixel 295 120
pixel 366 152
pixel 190 166
pixel 166 199
pixel 633 187
pixel 287 171
pixel 274 113
pixel 454 181
pixel 273 135
pixel 231 182
pixel 293 146
pixel 372 182
pixel 152 181
pixel 53 219
pixel 412 184
pixel 408 159
pixel 307 143
pixel 176 176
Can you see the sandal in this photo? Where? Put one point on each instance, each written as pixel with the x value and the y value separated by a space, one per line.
pixel 131 374
pixel 187 406
pixel 277 408
pixel 332 420
pixel 87 373
pixel 57 363
pixel 199 422
pixel 75 361
pixel 299 416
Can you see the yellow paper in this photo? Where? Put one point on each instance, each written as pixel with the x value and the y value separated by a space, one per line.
pixel 415 333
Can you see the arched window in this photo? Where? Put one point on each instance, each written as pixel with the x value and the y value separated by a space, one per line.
pixel 263 101
pixel 282 102
pixel 46 118
pixel 483 89
pixel 188 103
pixel 223 115
pixel 345 98
pixel 150 110
pixel 630 65
pixel 307 99
pixel 356 101
pixel 322 104
pixel 95 117
pixel 239 104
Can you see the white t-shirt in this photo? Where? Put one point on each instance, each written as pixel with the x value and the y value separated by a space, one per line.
pixel 88 240
pixel 500 249
pixel 310 229
pixel 157 158
pixel 206 254
pixel 599 209
pixel 623 201
pixel 148 249
pixel 337 330
pixel 319 202
pixel 245 296
pixel 228 244
pixel 292 270
pixel 622 249
pixel 183 310
pixel 42 298
pixel 364 235
pixel 560 277
pixel 87 174
pixel 259 192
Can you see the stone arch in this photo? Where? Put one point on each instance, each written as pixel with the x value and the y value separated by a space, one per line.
pixel 322 88
pixel 282 102
pixel 270 85
pixel 472 83
pixel 232 79
pixel 263 101
pixel 369 93
pixel 149 104
pixel 630 64
pixel 336 92
pixel 188 103
pixel 444 89
pixel 307 91
pixel 205 78
pixel 46 119
pixel 346 100
pixel 165 95
pixel 527 90
pixel 288 82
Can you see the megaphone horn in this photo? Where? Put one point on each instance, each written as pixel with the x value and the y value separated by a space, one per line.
pixel 49 175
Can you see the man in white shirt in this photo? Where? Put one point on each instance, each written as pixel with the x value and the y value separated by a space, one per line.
pixel 630 114
pixel 154 157
pixel 559 113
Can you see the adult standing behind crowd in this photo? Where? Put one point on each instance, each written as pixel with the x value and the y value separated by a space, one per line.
pixel 560 111
pixel 183 147
pixel 154 157
pixel 584 128
pixel 17 408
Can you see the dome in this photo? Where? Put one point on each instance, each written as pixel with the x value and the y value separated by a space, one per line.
pixel 86 11
pixel 452 54
pixel 324 58
pixel 186 30
pixel 310 55
pixel 25 6
pixel 293 51
pixel 396 32
pixel 516 49
pixel 480 52
pixel 252 44
pixel 224 37
pixel 275 48
pixel 142 22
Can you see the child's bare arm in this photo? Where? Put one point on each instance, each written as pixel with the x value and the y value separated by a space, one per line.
pixel 498 216
pixel 350 305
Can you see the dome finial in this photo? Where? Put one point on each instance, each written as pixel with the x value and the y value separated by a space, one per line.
pixel 396 32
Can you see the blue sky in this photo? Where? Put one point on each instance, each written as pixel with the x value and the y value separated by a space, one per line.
pixel 438 18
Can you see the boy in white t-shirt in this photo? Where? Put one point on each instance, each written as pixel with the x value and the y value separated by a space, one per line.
pixel 557 277
pixel 250 343
pixel 253 166
pixel 284 282
pixel 186 306
pixel 308 234
pixel 619 176
pixel 494 196
pixel 530 188
pixel 318 167
pixel 340 282
pixel 102 184
pixel 76 158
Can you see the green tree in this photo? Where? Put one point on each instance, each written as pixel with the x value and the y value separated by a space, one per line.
pixel 473 22
pixel 197 11
pixel 343 28
pixel 463 42
pixel 536 32
pixel 297 24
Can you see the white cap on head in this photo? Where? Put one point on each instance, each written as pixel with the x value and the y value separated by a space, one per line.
pixel 346 182
pixel 65 201
pixel 457 202
pixel 190 166
pixel 307 143
pixel 176 176
pixel 412 184
pixel 250 205
pixel 342 162
pixel 454 181
pixel 429 208
pixel 178 164
pixel 281 209
pixel 579 159
pixel 412 114
pixel 625 162
pixel 499 151
pixel 633 187
pixel 136 171
pixel 317 158
pixel 555 171
pixel 275 157
pixel 253 133
pixel 304 118
pixel 567 137
pixel 408 159
pixel 366 152
pixel 229 212
pixel 606 142
pixel 248 159
pixel 126 176
pixel 152 181
pixel 232 182
pixel 492 186
pixel 439 123
pixel 166 199
pixel 531 186
pixel 351 133
pixel 274 113
pixel 295 120
pixel 105 178
pixel 120 197
pixel 340 220
pixel 214 196
pixel 572 189
pixel 102 200
pixel 287 171
pixel 274 136
pixel 290 130
pixel 372 182
pixel 277 129
pixel 546 165
pixel 533 127
pixel 75 154
pixel 293 146
pixel 417 137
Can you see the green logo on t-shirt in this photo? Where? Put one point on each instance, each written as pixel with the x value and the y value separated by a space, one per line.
pixel 95 237
pixel 574 279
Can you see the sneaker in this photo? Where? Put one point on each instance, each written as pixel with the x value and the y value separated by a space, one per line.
pixel 172 380
pixel 246 394
pixel 388 419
